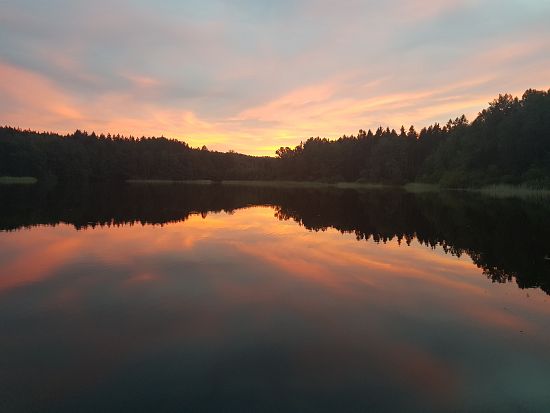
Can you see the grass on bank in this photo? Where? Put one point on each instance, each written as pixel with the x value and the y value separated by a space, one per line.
pixel 410 187
pixel 277 184
pixel 169 181
pixel 495 191
pixel 498 191
pixel 419 187
pixel 304 184
pixel 513 191
pixel 17 180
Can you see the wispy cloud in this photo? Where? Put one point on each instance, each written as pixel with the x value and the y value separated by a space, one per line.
pixel 255 75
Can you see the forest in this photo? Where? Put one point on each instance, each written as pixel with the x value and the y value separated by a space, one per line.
pixel 507 143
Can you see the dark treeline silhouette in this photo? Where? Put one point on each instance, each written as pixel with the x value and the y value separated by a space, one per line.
pixel 82 156
pixel 509 142
pixel 507 239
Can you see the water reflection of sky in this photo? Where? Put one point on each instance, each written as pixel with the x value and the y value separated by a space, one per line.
pixel 242 309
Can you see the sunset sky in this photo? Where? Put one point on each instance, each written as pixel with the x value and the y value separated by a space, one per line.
pixel 254 75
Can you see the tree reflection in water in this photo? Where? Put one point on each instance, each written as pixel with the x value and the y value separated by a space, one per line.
pixel 507 239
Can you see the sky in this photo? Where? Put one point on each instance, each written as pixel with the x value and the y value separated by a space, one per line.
pixel 254 75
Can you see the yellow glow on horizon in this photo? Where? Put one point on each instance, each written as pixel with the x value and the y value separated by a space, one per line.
pixel 308 111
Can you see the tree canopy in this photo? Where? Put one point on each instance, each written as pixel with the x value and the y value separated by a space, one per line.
pixel 508 142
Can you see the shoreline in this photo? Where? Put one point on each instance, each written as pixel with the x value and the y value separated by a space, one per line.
pixel 495 190
pixel 18 180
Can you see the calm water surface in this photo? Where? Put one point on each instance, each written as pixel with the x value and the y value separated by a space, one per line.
pixel 213 298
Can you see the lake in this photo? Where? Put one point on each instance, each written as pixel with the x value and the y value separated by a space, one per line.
pixel 226 299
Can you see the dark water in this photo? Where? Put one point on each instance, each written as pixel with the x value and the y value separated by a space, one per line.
pixel 213 298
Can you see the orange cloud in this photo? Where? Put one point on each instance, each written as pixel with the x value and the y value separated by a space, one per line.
pixel 143 81
pixel 306 111
pixel 34 101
